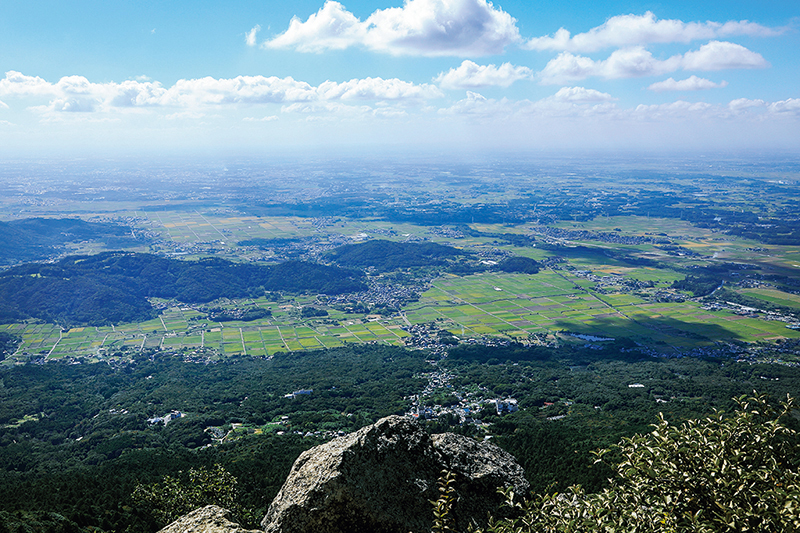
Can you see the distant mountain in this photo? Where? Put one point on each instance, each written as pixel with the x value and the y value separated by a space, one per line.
pixel 389 255
pixel 113 287
pixel 32 239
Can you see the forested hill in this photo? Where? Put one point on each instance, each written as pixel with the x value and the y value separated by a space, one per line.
pixel 37 238
pixel 388 255
pixel 113 287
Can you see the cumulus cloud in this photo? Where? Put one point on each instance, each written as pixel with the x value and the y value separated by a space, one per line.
pixel 16 83
pixel 477 104
pixel 250 37
pixel 789 106
pixel 692 83
pixel 470 75
pixel 637 61
pixel 633 30
pixel 77 94
pixel 581 94
pixel 420 27
pixel 720 55
pixel 568 101
pixel 376 89
pixel 740 104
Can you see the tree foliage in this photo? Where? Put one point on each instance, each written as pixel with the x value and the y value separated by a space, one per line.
pixel 389 255
pixel 174 497
pixel 719 474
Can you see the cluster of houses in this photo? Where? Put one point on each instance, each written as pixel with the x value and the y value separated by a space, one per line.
pixel 166 419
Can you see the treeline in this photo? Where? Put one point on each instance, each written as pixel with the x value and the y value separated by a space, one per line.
pixel 32 239
pixel 113 287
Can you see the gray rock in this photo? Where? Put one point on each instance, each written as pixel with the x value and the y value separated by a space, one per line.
pixel 382 478
pixel 208 519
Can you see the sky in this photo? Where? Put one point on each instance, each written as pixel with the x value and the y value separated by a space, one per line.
pixel 113 77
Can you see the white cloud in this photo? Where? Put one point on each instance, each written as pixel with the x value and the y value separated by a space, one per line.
pixel 77 94
pixel 789 106
pixel 740 104
pixel 624 63
pixel 263 119
pixel 238 90
pixel 376 89
pixel 3 105
pixel 330 28
pixel 250 37
pixel 720 55
pixel 16 83
pixel 677 109
pixel 420 27
pixel 470 75
pixel 637 61
pixel 633 30
pixel 581 94
pixel 319 110
pixel 477 104
pixel 567 102
pixel 692 83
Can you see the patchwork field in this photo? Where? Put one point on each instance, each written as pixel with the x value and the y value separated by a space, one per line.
pixel 518 306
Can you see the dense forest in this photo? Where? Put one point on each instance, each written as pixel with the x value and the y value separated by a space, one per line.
pixel 389 255
pixel 32 239
pixel 76 440
pixel 113 287
pixel 8 344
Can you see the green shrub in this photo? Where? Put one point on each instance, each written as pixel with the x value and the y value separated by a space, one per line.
pixel 720 474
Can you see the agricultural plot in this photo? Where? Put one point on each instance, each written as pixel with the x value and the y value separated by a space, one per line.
pixel 515 305
pixel 774 296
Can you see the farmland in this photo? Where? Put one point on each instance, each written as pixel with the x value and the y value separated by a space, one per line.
pixel 608 263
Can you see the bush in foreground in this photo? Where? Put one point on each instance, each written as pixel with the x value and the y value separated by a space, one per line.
pixel 720 474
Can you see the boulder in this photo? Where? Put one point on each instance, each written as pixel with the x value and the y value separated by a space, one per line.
pixel 382 479
pixel 208 519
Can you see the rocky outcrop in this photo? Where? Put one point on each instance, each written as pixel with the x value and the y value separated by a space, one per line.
pixel 382 478
pixel 208 519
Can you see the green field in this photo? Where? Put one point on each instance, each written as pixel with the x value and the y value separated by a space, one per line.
pixel 516 306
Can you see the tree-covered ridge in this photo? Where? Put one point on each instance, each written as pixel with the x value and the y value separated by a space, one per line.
pixel 113 287
pixel 36 238
pixel 389 255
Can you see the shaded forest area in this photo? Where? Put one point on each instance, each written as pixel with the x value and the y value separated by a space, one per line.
pixel 32 239
pixel 113 287
pixel 386 255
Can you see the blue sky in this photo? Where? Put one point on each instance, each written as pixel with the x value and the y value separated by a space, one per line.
pixel 114 77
